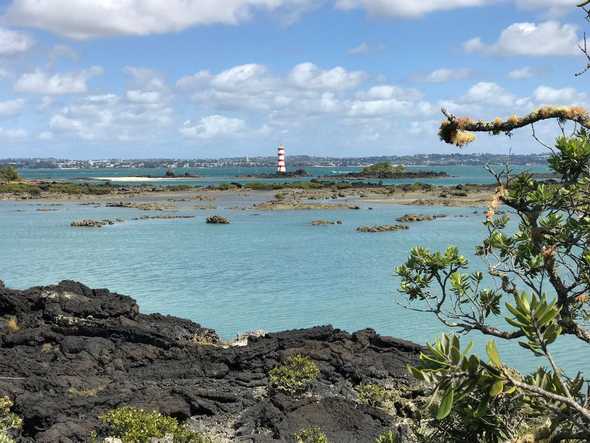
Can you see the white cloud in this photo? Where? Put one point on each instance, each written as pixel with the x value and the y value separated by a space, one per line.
pixel 388 100
pixel 193 81
pixel 109 99
pixel 11 107
pixel 548 38
pixel 488 93
pixel 213 126
pixel 552 7
pixel 361 49
pixel 405 8
pixel 564 96
pixel 63 123
pixel 13 134
pixel 13 42
pixel 40 82
pixel 485 98
pixel 81 19
pixel 145 78
pixel 309 76
pixel 522 73
pixel 146 97
pixel 444 75
pixel 46 135
pixel 250 76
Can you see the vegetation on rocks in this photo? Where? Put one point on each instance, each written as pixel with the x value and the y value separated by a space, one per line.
pixel 311 435
pixel 134 425
pixel 387 437
pixel 295 376
pixel 9 174
pixel 8 420
pixel 383 169
pixel 374 395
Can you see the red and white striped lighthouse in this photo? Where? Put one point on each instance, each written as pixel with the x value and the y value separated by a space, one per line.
pixel 281 166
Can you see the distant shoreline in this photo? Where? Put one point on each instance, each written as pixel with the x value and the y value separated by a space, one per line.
pixel 140 179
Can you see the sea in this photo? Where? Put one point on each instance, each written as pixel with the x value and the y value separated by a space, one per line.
pixel 267 270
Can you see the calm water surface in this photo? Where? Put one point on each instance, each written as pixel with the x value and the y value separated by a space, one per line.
pixel 268 270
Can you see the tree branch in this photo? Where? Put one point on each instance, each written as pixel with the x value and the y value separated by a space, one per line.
pixel 457 131
pixel 585 413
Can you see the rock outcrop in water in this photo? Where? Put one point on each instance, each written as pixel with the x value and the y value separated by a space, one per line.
pixel 382 228
pixel 217 220
pixel 69 353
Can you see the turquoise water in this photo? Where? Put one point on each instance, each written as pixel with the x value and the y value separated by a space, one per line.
pixel 268 270
pixel 212 176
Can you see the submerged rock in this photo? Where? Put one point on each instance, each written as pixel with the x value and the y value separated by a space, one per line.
pixel 94 223
pixel 325 222
pixel 79 352
pixel 410 218
pixel 217 220
pixel 382 228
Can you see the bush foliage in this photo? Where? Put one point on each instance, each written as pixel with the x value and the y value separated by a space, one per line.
pixel 542 275
pixel 133 425
pixel 9 174
pixel 311 435
pixel 295 376
pixel 8 420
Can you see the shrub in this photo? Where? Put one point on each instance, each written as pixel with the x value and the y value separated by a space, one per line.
pixel 541 271
pixel 311 435
pixel 374 395
pixel 295 376
pixel 133 425
pixel 8 420
pixel 9 174
pixel 387 437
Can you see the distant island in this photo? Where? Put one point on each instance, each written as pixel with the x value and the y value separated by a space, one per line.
pixel 293 161
pixel 387 170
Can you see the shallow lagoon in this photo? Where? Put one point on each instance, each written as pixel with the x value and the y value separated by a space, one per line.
pixel 267 270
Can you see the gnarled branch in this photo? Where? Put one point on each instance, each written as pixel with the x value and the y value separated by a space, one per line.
pixel 458 130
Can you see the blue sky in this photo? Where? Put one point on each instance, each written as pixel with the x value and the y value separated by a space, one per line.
pixel 218 78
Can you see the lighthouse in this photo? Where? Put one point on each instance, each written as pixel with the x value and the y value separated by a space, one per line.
pixel 281 167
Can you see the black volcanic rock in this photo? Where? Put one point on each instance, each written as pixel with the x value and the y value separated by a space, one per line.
pixel 79 352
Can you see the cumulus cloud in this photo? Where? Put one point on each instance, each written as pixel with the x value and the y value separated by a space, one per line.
pixel 552 7
pixel 40 82
pixel 405 8
pixel 522 73
pixel 146 97
pixel 13 42
pixel 213 126
pixel 444 75
pixel 548 38
pixel 82 19
pixel 11 107
pixel 193 81
pixel 486 97
pixel 13 134
pixel 309 76
pixel 383 100
pixel 564 96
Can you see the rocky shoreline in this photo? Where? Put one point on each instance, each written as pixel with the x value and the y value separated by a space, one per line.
pixel 69 353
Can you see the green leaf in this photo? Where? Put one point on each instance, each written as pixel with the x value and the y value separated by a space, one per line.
pixel 493 355
pixel 446 405
pixel 497 388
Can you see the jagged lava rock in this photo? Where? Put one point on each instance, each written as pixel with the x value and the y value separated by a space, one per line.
pixel 80 352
